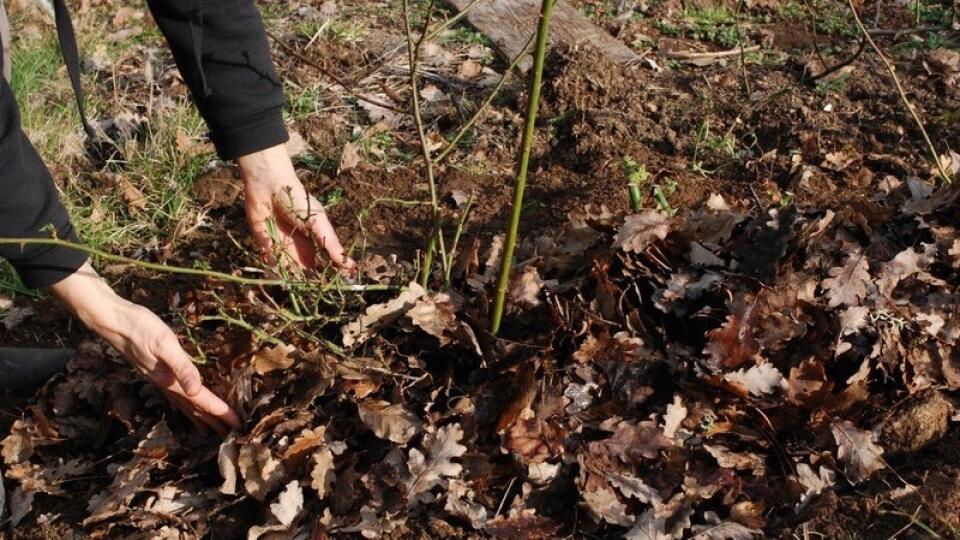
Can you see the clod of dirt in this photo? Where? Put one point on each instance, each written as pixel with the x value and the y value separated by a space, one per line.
pixel 920 421
pixel 939 496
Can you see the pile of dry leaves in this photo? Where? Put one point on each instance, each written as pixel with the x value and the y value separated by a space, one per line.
pixel 707 374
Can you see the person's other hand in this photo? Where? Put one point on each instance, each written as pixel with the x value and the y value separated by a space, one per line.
pixel 148 344
pixel 273 193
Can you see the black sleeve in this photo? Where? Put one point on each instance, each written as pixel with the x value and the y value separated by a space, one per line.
pixel 30 206
pixel 221 49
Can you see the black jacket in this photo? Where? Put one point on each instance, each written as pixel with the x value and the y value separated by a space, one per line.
pixel 221 49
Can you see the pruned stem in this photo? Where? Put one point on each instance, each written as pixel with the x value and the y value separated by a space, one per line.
pixel 166 268
pixel 526 144
pixel 413 53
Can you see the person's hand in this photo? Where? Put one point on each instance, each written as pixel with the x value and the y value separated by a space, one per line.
pixel 273 193
pixel 148 344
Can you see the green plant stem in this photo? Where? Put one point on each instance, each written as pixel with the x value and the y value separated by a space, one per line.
pixel 465 128
pixel 526 144
pixel 456 240
pixel 210 274
pixel 635 198
pixel 413 54
pixel 903 93
pixel 662 200
pixel 240 323
pixel 428 259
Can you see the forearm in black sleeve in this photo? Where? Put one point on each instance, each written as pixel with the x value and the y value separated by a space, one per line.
pixel 30 206
pixel 221 49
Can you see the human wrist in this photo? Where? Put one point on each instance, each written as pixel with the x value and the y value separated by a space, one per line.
pixel 265 164
pixel 92 301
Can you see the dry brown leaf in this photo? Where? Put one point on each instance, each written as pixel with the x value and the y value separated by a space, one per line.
pixel 633 443
pixel 732 344
pixel 322 475
pixel 289 504
pixel 648 527
pixel 634 487
pixel 905 264
pixel 524 289
pixel 460 504
pixel 729 459
pixel 532 439
pixel 392 422
pixel 436 315
pixel 350 158
pixel 380 315
pixel 470 69
pixel 758 380
pixel 955 253
pixel 130 478
pixel 522 526
pixel 261 471
pixel 13 316
pixel 857 450
pixel 675 415
pixel 227 463
pixel 847 284
pixel 273 358
pixel 723 530
pixel 18 446
pixel 131 194
pixel 604 504
pixel 305 444
pixel 641 230
pixel 430 470
pixel 814 482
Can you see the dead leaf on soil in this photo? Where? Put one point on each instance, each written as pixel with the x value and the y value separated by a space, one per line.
pixel 432 469
pixel 392 422
pixel 380 315
pixel 857 450
pixel 289 504
pixel 847 284
pixel 350 158
pixel 261 471
pixel 276 357
pixel 641 230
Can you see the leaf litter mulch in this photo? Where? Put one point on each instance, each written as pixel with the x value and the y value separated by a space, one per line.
pixel 742 368
pixel 709 374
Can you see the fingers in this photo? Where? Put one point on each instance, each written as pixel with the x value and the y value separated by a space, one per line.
pixel 185 373
pixel 297 246
pixel 305 212
pixel 257 216
pixel 325 236
pixel 205 410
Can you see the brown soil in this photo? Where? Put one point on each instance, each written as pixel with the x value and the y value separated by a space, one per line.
pixel 593 115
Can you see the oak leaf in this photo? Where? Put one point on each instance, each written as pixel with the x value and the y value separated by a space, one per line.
pixel 848 284
pixel 289 504
pixel 392 422
pixel 857 450
pixel 429 470
pixel 641 230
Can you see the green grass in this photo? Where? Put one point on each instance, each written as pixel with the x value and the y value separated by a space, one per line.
pixel 43 94
pixel 155 164
pixel 831 17
pixel 713 24
pixel 10 283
